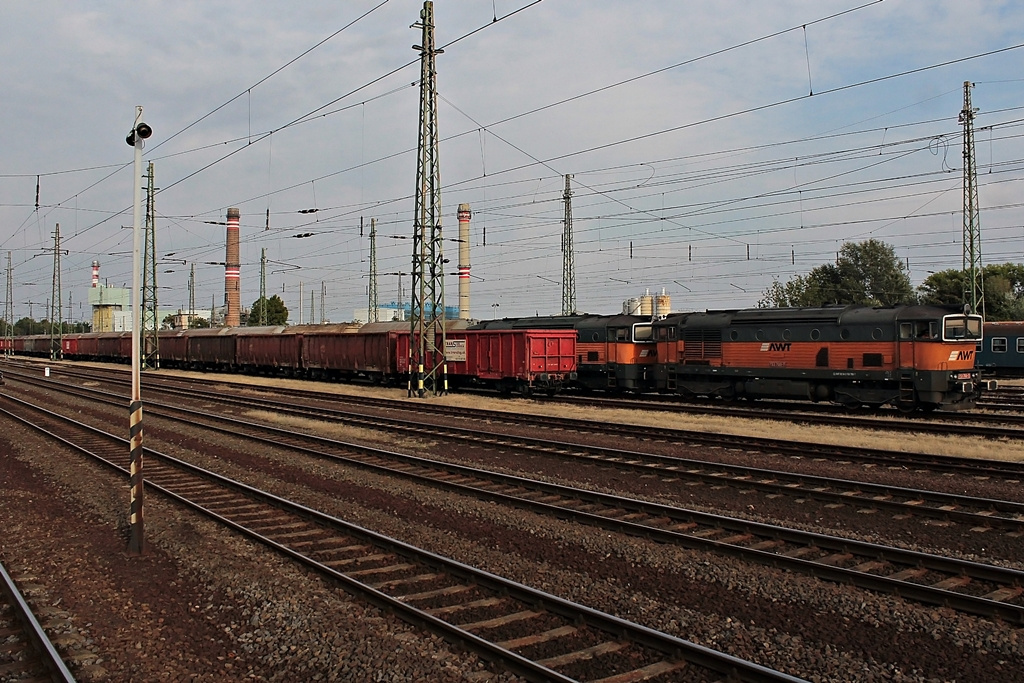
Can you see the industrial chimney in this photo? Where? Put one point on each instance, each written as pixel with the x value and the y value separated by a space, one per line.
pixel 232 270
pixel 464 215
pixel 95 273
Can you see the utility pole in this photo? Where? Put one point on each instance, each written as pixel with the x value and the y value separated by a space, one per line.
pixel 150 324
pixel 323 298
pixel 56 303
pixel 263 285
pixel 371 305
pixel 300 302
pixel 974 286
pixel 427 367
pixel 9 309
pixel 568 257
pixel 312 308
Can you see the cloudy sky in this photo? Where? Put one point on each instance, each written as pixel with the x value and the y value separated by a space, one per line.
pixel 712 146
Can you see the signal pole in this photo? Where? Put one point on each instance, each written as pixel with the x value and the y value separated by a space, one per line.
pixel 56 312
pixel 136 541
pixel 974 286
pixel 427 367
pixel 568 257
pixel 150 324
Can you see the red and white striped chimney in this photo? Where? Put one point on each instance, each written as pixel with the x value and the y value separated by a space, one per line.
pixel 464 215
pixel 232 270
pixel 95 273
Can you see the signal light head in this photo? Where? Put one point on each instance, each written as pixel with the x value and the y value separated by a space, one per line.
pixel 140 132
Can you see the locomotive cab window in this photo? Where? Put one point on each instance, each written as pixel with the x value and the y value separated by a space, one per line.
pixel 1020 344
pixel 643 332
pixel 961 327
pixel 998 344
pixel 620 334
pixel 906 330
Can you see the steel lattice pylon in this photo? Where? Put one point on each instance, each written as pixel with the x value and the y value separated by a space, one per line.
pixel 568 257
pixel 150 324
pixel 9 309
pixel 974 285
pixel 372 312
pixel 56 303
pixel 427 368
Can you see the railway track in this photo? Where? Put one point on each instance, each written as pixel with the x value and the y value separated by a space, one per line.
pixel 26 653
pixel 1010 471
pixel 967 586
pixel 1006 425
pixel 974 511
pixel 528 632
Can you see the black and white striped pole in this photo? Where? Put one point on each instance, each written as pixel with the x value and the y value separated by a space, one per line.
pixel 136 541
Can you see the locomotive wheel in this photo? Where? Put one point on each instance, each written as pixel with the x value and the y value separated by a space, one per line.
pixel 906 408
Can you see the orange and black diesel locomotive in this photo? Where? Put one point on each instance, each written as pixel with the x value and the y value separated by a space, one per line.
pixel 910 357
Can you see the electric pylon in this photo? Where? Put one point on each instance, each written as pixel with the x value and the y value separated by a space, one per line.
pixel 427 367
pixel 568 257
pixel 191 296
pixel 56 303
pixel 9 310
pixel 263 287
pixel 371 306
pixel 150 323
pixel 974 285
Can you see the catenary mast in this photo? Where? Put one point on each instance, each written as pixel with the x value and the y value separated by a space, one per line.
pixel 427 368
pixel 568 257
pixel 974 289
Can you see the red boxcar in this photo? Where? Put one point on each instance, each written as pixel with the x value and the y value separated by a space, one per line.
pixel 114 347
pixel 69 345
pixel 268 349
pixel 370 355
pixel 173 348
pixel 88 347
pixel 508 360
pixel 212 349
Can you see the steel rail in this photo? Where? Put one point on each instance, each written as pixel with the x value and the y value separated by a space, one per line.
pixel 45 651
pixel 751 540
pixel 670 646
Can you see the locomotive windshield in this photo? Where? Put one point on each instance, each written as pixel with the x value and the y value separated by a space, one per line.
pixel 643 332
pixel 961 328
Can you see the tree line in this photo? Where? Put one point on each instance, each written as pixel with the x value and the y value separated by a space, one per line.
pixel 277 314
pixel 869 273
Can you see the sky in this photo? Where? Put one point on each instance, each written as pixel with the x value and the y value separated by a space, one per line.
pixel 712 147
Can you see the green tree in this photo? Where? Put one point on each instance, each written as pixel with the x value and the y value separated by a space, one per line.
pixel 942 287
pixel 198 323
pixel 867 273
pixel 277 312
pixel 1003 284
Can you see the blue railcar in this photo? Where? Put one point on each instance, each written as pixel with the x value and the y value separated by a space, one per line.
pixel 1001 352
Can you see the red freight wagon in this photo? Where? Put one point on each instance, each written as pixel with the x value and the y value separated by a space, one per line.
pixel 347 354
pixel 514 360
pixel 212 349
pixel 88 347
pixel 114 347
pixel 173 348
pixel 69 345
pixel 268 349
